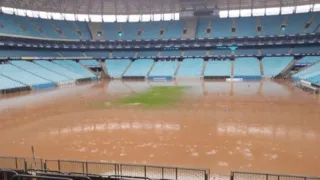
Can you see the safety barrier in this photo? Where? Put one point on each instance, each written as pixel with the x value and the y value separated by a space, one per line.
pixel 20 163
pixel 160 78
pixel 133 170
pixel 12 163
pixel 104 169
pixel 238 175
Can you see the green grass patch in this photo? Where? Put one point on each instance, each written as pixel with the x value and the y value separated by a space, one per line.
pixel 162 96
pixel 155 97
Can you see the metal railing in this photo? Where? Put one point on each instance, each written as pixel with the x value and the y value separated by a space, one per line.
pixel 13 163
pixel 132 170
pixel 238 175
pixel 104 169
pixel 30 177
pixel 6 174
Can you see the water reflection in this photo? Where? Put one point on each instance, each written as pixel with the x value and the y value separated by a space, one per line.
pixel 267 131
pixel 200 88
pixel 115 126
pixel 36 97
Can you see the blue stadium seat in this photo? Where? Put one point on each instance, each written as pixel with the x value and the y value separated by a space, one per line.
pixel 45 28
pixel 221 27
pixel 6 83
pixel 173 29
pixel 306 50
pixel 90 63
pixel 139 68
pixel 218 68
pixel 22 26
pixel 194 53
pixel 296 22
pixel 147 53
pixel 309 59
pixel 221 52
pixel 305 73
pixel 315 18
pixel 151 30
pixel 59 69
pixel 110 31
pixel 116 67
pixel 247 52
pixel 27 53
pixel 271 25
pixel 123 53
pixel 315 79
pixel 97 53
pixel 246 26
pixel 201 28
pixel 273 66
pixel 164 69
pixel 25 77
pixel 130 30
pixel 84 30
pixel 66 29
pixel 247 68
pixel 71 53
pixel 9 27
pixel 40 71
pixel 170 53
pixel 191 68
pixel 77 68
pixel 275 51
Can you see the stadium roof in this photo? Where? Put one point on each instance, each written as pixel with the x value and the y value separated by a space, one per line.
pixel 126 7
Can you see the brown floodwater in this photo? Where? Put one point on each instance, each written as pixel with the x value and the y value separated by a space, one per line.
pixel 263 126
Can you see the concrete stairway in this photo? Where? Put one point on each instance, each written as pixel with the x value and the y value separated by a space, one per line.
pixel 56 30
pixel 104 69
pixel 59 54
pixel 232 68
pixel 26 70
pixel 35 27
pixel 286 71
pixel 52 70
pixel 94 29
pixel 191 27
pixel 154 63
pixel 204 68
pixel 259 52
pixel 176 72
pixel 75 29
pixel 261 67
pixel 209 26
pixel 290 51
pixel 301 69
pixel 124 72
pixel 14 80
pixel 66 67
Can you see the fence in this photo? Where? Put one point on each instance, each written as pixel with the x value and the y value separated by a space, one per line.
pixel 20 163
pixel 12 163
pixel 238 175
pixel 133 170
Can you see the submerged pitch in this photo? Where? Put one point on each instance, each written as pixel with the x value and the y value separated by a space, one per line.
pixel 155 97
pixel 270 126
